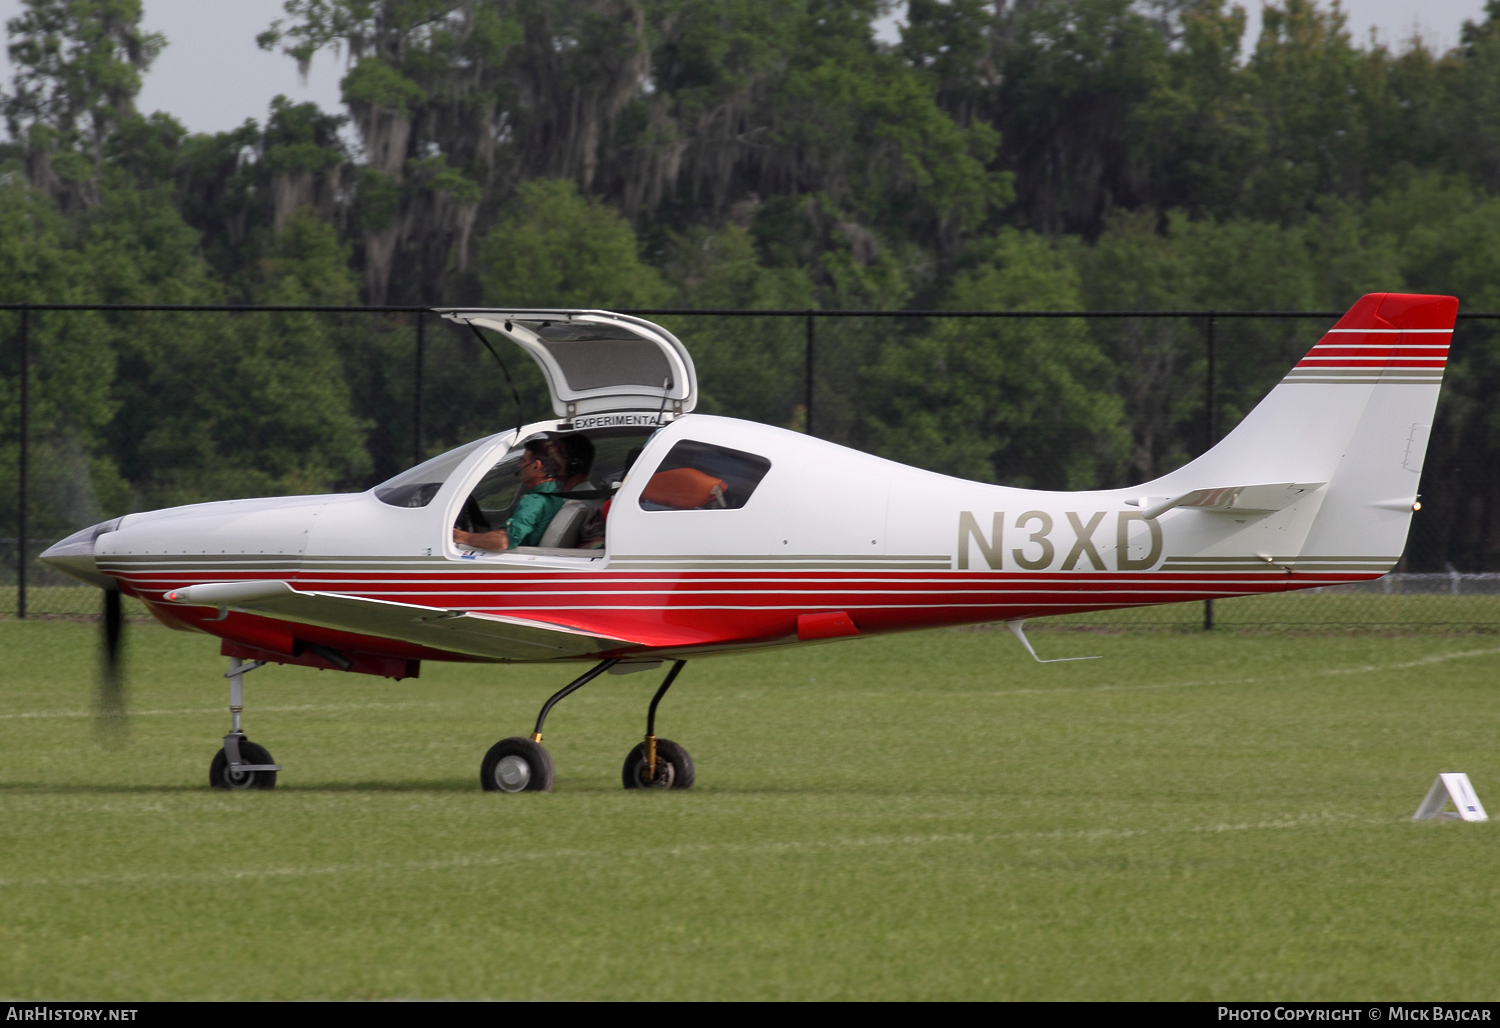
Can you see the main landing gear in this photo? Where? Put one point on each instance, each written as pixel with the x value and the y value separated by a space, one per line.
pixel 241 764
pixel 521 764
pixel 658 763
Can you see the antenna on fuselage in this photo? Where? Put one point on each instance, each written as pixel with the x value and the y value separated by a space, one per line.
pixel 1019 632
pixel 520 415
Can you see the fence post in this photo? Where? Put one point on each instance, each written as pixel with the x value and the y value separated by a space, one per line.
pixel 809 374
pixel 23 464
pixel 416 396
pixel 1211 417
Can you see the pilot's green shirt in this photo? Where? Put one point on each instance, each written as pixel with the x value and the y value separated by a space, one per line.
pixel 533 514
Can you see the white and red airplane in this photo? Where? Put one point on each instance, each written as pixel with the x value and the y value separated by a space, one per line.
pixel 723 536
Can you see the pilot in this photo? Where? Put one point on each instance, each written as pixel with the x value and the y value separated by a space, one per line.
pixel 541 466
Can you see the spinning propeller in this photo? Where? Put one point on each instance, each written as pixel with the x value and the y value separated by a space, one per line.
pixel 110 709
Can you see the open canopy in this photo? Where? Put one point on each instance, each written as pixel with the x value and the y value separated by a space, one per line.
pixel 596 361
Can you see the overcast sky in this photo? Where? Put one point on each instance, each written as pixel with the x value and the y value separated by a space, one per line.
pixel 212 76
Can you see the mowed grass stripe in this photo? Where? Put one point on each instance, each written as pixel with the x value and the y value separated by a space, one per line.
pixel 869 823
pixel 484 861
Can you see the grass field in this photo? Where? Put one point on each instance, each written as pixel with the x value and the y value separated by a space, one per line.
pixel 1197 816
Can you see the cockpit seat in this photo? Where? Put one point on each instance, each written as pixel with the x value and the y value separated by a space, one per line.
pixel 566 526
pixel 684 489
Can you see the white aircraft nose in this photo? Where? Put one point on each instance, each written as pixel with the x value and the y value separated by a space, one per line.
pixel 75 555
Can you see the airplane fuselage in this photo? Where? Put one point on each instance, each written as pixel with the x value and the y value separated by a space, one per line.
pixel 827 530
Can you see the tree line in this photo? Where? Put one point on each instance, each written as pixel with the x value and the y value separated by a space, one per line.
pixel 1000 154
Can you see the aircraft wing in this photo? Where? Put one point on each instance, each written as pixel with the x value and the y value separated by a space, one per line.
pixel 459 631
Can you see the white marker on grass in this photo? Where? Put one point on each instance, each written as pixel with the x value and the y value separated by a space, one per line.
pixel 1457 787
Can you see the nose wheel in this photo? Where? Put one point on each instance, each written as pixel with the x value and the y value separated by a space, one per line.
pixel 235 776
pixel 241 764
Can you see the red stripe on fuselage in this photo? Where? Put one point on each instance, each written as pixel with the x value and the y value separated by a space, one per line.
pixel 712 609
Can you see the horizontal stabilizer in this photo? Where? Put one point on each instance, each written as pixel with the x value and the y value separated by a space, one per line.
pixel 459 631
pixel 1236 499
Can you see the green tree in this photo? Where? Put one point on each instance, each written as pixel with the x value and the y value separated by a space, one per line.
pixel 72 368
pixel 255 405
pixel 1446 235
pixel 1160 364
pixel 78 68
pixel 238 188
pixel 1238 264
pixel 1070 74
pixel 747 367
pixel 554 248
pixel 1021 402
pixel 1200 133
pixel 1308 77
pixel 424 89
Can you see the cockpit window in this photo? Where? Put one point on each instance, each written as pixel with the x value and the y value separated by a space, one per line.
pixel 592 473
pixel 417 487
pixel 702 476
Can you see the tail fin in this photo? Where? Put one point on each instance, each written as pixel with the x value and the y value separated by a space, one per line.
pixel 1349 424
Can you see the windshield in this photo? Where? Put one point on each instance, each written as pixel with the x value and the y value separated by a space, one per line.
pixel 417 487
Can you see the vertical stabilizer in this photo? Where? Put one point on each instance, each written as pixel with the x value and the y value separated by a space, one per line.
pixel 1355 413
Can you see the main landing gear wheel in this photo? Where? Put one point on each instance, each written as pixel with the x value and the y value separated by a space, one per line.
pixel 516 765
pixel 221 776
pixel 674 767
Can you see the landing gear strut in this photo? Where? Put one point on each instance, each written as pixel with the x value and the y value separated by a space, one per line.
pixel 519 764
pixel 241 764
pixel 659 763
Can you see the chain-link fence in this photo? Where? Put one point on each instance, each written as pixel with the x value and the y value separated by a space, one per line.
pixel 108 409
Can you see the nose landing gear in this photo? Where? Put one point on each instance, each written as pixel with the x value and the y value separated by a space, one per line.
pixel 241 764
